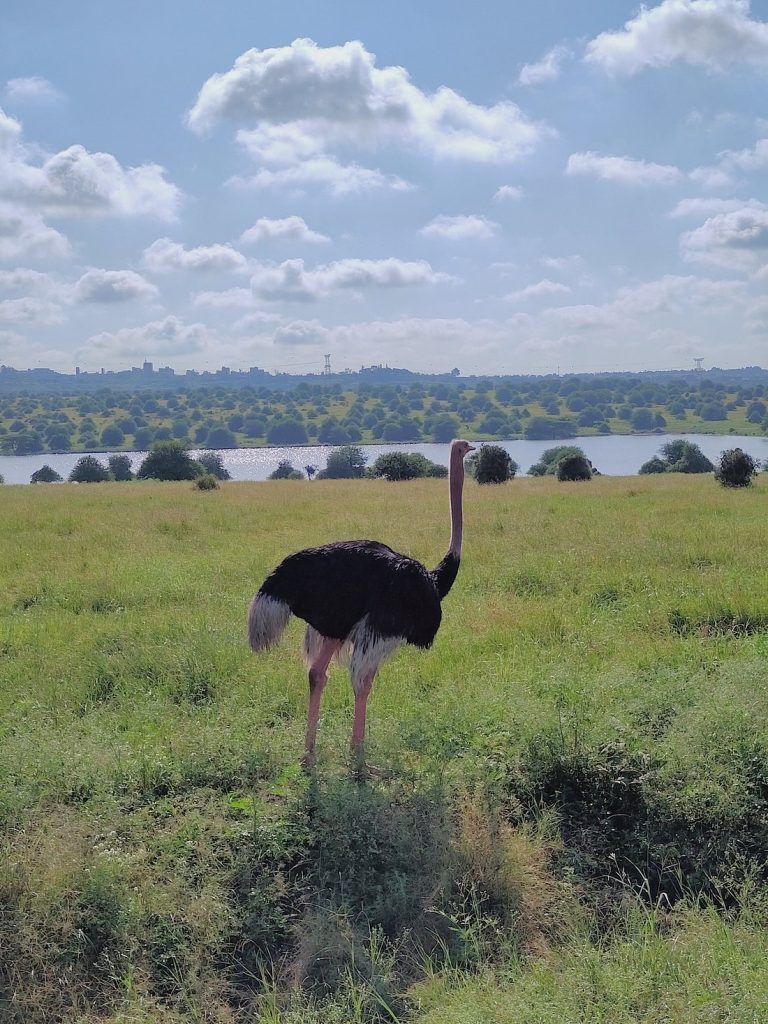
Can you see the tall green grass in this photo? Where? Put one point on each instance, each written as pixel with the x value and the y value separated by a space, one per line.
pixel 578 788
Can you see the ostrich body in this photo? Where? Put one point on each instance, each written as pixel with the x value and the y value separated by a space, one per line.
pixel 360 598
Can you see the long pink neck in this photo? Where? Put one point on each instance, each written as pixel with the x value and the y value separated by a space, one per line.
pixel 455 485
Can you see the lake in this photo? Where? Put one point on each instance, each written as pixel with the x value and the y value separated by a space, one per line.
pixel 613 454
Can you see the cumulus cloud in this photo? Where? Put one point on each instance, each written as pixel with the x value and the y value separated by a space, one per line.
pixel 562 263
pixel 506 192
pixel 622 169
pixel 229 298
pixel 30 310
pixel 538 290
pixel 548 69
pixel 75 181
pixel 292 281
pixel 737 238
pixel 257 323
pixel 33 89
pixel 303 101
pixel 697 207
pixel 164 256
pixel 460 228
pixel 707 33
pixel 163 338
pixel 301 332
pixel 113 286
pixel 282 229
pixel 25 235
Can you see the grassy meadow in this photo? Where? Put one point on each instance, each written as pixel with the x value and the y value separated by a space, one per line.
pixel 573 825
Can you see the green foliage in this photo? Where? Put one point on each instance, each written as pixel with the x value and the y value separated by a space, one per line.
pixel 735 468
pixel 120 467
pixel 88 470
pixel 574 468
pixel 491 464
pixel 542 428
pixel 345 463
pixel 551 458
pixel 285 471
pixel 168 460
pixel 207 482
pixel 287 431
pixel 685 457
pixel 45 475
pixel 654 465
pixel 213 465
pixel 405 466
pixel 220 437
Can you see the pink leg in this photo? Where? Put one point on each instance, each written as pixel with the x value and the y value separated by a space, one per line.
pixel 361 701
pixel 318 677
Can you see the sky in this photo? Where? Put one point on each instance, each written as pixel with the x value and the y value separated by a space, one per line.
pixel 502 188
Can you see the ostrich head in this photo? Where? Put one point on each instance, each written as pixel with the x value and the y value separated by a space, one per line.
pixel 460 449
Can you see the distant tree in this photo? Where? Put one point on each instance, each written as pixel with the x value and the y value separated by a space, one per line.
pixel 120 467
pixel 551 457
pixel 143 438
pixel 254 426
pixel 445 428
pixel 735 468
pixel 685 457
pixel 213 465
pixel 492 464
pixel 345 463
pixel 756 411
pixel 112 435
pixel 711 411
pixel 89 470
pixel 405 466
pixel 287 432
pixel 59 441
pixel 541 428
pixel 642 419
pixel 654 465
pixel 220 437
pixel 45 475
pixel 168 460
pixel 2 479
pixel 332 432
pixel 574 468
pixel 285 471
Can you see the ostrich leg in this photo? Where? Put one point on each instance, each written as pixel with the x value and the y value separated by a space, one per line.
pixel 318 677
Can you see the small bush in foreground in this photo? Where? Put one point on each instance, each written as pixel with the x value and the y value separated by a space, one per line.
pixel 735 468
pixel 168 460
pixel 405 466
pixel 213 465
pixel 654 465
pixel 346 463
pixel 685 457
pixel 573 468
pixel 285 471
pixel 88 470
pixel 44 475
pixel 492 464
pixel 207 482
pixel 120 467
pixel 551 458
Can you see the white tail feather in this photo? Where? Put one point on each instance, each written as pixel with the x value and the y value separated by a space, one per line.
pixel 267 618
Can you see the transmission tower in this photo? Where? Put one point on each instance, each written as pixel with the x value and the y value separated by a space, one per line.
pixel 327 370
pixel 698 366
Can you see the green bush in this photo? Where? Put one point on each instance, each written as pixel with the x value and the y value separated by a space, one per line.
pixel 207 482
pixel 574 468
pixel 491 464
pixel 213 465
pixel 405 466
pixel 88 470
pixel 120 467
pixel 168 460
pixel 44 475
pixel 654 465
pixel 345 463
pixel 735 468
pixel 285 471
pixel 551 458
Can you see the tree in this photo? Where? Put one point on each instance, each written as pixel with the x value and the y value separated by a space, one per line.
pixel 88 470
pixel 345 463
pixel 492 464
pixel 120 467
pixel 168 460
pixel 573 468
pixel 541 428
pixel 551 457
pixel 285 471
pixel 642 419
pixel 112 435
pixel 143 438
pixel 213 465
pixel 405 466
pixel 735 468
pixel 220 437
pixel 287 432
pixel 445 428
pixel 685 457
pixel 45 475
pixel 654 465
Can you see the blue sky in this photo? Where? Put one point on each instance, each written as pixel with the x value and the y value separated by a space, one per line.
pixel 566 186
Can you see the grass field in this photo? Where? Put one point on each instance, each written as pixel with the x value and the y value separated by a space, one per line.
pixel 574 826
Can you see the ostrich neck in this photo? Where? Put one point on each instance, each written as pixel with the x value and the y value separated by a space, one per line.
pixel 455 485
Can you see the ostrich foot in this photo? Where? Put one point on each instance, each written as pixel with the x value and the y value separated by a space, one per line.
pixel 362 770
pixel 308 761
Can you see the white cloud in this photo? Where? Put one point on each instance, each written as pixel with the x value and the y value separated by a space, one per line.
pixel 460 228
pixel 160 339
pixel 76 181
pixel 538 290
pixel 561 263
pixel 673 293
pixel 30 310
pixel 29 281
pixel 33 89
pixel 708 33
pixel 293 282
pixel 230 298
pixel 330 96
pixel 25 235
pixel 293 229
pixel 737 238
pixel 302 332
pixel 506 192
pixel 548 69
pixel 698 207
pixel 113 286
pixel 164 256
pixel 622 169
pixel 257 323
pixel 756 319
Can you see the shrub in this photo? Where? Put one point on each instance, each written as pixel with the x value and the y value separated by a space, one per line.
pixel 220 437
pixel 654 465
pixel 685 457
pixel 89 470
pixel 44 475
pixel 445 428
pixel 735 468
pixel 120 467
pixel 551 457
pixel 287 432
pixel 112 435
pixel 405 466
pixel 168 460
pixel 213 465
pixel 207 482
pixel 541 428
pixel 492 464
pixel 345 463
pixel 573 468
pixel 285 471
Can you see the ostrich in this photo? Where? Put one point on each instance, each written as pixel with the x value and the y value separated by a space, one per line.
pixel 361 599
